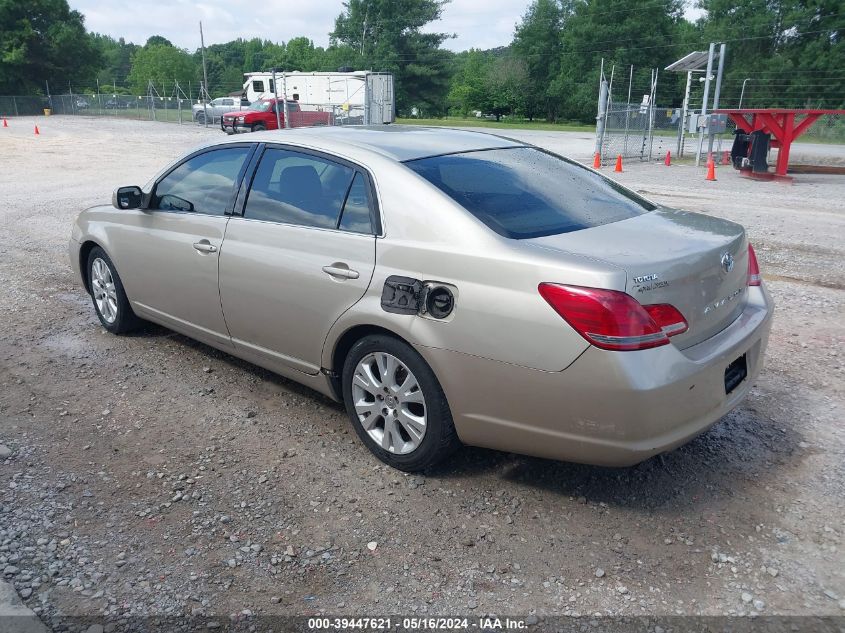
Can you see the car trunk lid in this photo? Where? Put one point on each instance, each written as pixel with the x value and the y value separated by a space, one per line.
pixel 694 262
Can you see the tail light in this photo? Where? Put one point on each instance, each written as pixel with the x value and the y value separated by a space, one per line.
pixel 754 276
pixel 613 320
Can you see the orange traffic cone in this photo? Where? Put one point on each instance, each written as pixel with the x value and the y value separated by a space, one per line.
pixel 618 163
pixel 668 160
pixel 36 131
pixel 597 161
pixel 726 157
pixel 5 122
pixel 711 170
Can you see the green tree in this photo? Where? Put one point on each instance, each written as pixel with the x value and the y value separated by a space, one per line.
pixel 506 83
pixel 117 61
pixel 162 65
pixel 468 88
pixel 792 52
pixel 537 42
pixel 621 32
pixel 43 40
pixel 387 35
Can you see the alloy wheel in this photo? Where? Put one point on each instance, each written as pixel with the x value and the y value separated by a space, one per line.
pixel 389 403
pixel 104 291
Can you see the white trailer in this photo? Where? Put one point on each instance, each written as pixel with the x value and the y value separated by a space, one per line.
pixel 358 96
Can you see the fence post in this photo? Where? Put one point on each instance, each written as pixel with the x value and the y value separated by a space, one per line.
pixel 602 111
pixel 15 103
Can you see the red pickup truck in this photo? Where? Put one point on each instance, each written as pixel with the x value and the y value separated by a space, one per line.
pixel 261 115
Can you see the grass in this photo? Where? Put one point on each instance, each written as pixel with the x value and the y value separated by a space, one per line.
pixel 504 124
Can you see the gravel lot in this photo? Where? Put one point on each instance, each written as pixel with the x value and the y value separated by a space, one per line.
pixel 151 474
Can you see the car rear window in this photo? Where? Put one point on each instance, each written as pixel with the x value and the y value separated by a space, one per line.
pixel 525 192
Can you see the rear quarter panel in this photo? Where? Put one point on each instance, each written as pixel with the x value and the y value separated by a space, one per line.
pixel 499 313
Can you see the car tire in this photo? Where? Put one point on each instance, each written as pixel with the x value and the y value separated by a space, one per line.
pixel 259 127
pixel 396 402
pixel 200 118
pixel 108 295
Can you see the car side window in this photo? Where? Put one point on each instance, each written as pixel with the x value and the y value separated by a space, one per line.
pixel 297 188
pixel 202 184
pixel 356 215
pixel 258 85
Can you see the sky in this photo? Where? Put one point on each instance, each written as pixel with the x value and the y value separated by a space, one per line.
pixel 477 23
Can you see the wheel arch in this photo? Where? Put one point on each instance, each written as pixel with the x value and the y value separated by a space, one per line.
pixel 344 343
pixel 84 251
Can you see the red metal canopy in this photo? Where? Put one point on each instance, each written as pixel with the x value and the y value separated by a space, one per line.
pixel 780 123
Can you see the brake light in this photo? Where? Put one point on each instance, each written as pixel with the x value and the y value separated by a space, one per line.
pixel 668 318
pixel 613 320
pixel 754 276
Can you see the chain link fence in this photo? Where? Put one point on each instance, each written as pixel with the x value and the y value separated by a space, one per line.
pixel 183 111
pixel 640 132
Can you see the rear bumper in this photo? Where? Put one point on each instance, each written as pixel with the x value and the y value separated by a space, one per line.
pixel 607 408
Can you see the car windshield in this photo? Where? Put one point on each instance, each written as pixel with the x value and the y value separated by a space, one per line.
pixel 261 106
pixel 525 192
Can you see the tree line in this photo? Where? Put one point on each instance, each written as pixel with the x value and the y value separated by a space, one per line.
pixel 787 53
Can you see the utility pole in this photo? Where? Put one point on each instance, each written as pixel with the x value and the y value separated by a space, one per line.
pixel 204 70
pixel 704 101
pixel 717 91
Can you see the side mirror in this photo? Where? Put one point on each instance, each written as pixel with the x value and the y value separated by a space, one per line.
pixel 127 198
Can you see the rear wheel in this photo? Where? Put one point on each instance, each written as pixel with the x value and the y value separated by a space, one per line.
pixel 396 404
pixel 110 301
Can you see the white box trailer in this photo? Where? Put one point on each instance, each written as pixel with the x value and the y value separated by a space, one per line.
pixel 358 96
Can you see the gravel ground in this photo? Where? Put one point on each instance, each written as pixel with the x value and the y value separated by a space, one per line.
pixel 151 474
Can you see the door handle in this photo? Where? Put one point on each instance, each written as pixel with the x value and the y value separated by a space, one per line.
pixel 204 246
pixel 341 271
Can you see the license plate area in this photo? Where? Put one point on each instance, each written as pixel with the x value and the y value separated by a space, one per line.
pixel 735 374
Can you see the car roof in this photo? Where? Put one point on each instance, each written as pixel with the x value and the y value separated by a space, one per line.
pixel 398 142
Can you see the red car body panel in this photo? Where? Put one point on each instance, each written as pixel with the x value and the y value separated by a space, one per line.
pixel 241 121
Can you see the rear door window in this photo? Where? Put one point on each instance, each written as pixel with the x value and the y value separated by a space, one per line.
pixel 297 188
pixel 526 192
pixel 357 215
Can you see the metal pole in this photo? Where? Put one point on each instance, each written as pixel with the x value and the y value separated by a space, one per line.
pixel 204 105
pixel 717 91
pixel 628 109
pixel 601 110
pixel 202 47
pixel 742 93
pixel 704 101
pixel 684 112
pixel 652 99
pixel 178 100
pixel 609 97
pixel 276 103
pixel 204 84
pixel 285 97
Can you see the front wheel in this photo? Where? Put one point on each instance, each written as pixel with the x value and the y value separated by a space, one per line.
pixel 110 301
pixel 200 119
pixel 259 127
pixel 396 404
